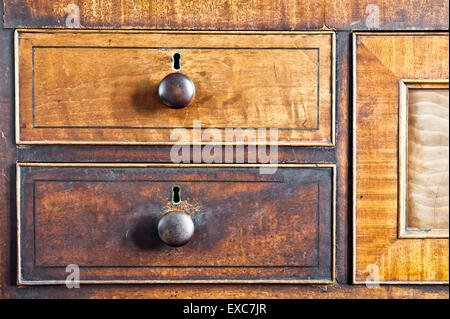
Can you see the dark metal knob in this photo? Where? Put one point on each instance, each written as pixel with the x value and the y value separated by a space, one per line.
pixel 175 228
pixel 176 90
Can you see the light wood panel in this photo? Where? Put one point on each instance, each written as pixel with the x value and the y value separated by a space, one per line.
pixel 428 160
pixel 381 61
pixel 101 87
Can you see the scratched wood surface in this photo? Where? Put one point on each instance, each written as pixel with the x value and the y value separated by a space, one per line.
pixel 431 16
pixel 381 60
pixel 278 227
pixel 102 87
pixel 428 154
pixel 231 14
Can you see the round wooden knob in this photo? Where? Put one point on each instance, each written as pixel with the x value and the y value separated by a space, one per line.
pixel 176 90
pixel 175 228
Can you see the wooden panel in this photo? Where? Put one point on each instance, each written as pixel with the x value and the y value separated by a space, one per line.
pixel 228 14
pixel 104 218
pixel 100 153
pixel 101 87
pixel 423 138
pixel 428 142
pixel 164 14
pixel 381 61
pixel 387 14
pixel 7 155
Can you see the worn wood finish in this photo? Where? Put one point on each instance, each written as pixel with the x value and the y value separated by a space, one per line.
pixel 104 219
pixel 343 154
pixel 7 157
pixel 386 14
pixel 231 291
pixel 162 14
pixel 231 14
pixel 381 61
pixel 101 87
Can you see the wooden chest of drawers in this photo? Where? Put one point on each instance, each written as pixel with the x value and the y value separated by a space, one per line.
pixel 288 149
pixel 104 219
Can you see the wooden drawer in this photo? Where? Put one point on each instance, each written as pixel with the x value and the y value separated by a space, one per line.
pixel 94 87
pixel 103 218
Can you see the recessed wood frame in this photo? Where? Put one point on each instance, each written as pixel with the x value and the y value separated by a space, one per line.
pixel 22 282
pixel 323 136
pixel 404 86
pixel 380 62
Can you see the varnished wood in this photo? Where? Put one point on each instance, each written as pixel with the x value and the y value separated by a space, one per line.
pixel 106 93
pixel 432 213
pixel 7 156
pixel 162 14
pixel 234 240
pixel 232 14
pixel 432 16
pixel 423 159
pixel 380 62
pixel 386 14
pixel 176 90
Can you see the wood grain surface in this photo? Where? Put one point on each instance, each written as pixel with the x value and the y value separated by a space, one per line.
pixel 428 154
pixel 277 228
pixel 101 87
pixel 7 155
pixel 432 15
pixel 381 61
pixel 387 14
pixel 232 14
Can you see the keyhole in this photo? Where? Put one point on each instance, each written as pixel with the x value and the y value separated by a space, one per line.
pixel 176 61
pixel 176 194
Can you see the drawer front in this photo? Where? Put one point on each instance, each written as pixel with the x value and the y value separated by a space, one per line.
pixel 102 87
pixel 104 219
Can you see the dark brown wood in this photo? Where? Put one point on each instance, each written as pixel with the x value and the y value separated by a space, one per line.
pixel 343 153
pixel 105 220
pixel 176 90
pixel 157 154
pixel 162 14
pixel 387 14
pixel 7 158
pixel 231 15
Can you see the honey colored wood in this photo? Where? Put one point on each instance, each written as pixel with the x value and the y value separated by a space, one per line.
pixel 101 87
pixel 386 14
pixel 161 14
pixel 103 218
pixel 230 14
pixel 423 159
pixel 381 61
